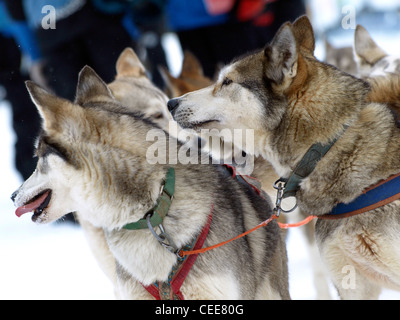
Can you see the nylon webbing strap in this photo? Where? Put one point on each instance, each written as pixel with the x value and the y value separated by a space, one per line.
pixel 161 209
pixel 306 165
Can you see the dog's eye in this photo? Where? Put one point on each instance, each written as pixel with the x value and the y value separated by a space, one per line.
pixel 158 115
pixel 226 82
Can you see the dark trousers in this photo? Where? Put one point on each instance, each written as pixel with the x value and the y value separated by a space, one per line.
pixel 25 121
pixel 219 44
pixel 98 47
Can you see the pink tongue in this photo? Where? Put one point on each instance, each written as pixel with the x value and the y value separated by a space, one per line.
pixel 32 205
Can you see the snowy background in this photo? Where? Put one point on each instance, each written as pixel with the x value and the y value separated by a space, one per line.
pixel 54 261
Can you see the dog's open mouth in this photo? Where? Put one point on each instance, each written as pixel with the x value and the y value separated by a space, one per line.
pixel 201 123
pixel 36 205
pixel 197 124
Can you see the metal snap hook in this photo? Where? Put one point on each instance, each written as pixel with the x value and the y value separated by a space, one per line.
pixel 162 237
pixel 279 185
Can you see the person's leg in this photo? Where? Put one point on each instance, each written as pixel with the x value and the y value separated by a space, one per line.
pixel 218 44
pixel 25 118
pixel 103 47
pixel 197 41
pixel 62 67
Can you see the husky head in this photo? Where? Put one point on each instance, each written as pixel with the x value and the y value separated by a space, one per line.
pixel 281 93
pixel 249 93
pixel 90 155
pixel 132 86
pixel 372 60
pixel 343 58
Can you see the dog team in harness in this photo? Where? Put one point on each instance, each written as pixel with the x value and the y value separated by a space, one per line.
pixel 173 231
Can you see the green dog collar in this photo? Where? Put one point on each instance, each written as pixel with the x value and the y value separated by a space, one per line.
pixel 306 165
pixel 160 211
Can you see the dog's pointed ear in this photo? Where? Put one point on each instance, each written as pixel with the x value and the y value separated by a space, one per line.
pixel 281 55
pixel 191 65
pixel 44 100
pixel 171 83
pixel 366 48
pixel 328 45
pixel 129 65
pixel 304 34
pixel 51 108
pixel 91 87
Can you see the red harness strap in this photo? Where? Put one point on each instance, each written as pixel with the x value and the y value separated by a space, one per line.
pixel 250 181
pixel 171 290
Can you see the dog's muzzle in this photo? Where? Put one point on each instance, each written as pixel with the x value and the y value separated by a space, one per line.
pixel 14 195
pixel 173 105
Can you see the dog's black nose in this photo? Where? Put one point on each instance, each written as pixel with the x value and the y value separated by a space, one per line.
pixel 14 195
pixel 173 104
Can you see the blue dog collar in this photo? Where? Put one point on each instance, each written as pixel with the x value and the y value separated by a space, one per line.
pixel 374 197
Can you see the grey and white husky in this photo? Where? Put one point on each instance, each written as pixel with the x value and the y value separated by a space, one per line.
pixel 92 160
pixel 292 101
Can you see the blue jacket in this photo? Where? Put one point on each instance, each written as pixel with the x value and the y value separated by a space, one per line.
pixel 190 14
pixel 64 8
pixel 21 32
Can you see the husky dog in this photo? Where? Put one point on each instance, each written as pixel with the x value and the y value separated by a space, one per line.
pixel 372 60
pixel 134 90
pixel 293 101
pixel 380 69
pixel 192 78
pixel 132 86
pixel 92 160
pixel 343 58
